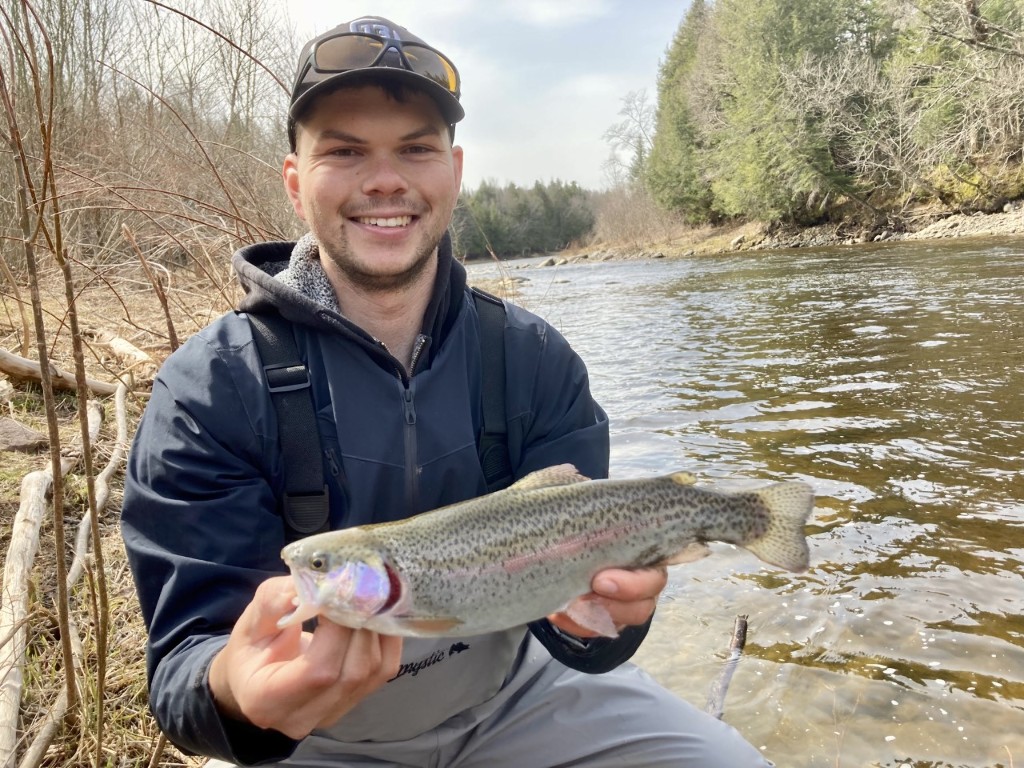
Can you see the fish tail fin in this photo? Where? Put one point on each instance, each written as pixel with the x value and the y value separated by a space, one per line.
pixel 784 544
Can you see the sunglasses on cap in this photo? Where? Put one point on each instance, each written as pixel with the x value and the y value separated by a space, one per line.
pixel 358 50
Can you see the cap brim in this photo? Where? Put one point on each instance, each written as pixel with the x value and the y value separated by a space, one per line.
pixel 451 109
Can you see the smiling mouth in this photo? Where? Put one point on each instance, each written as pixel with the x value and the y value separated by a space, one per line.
pixel 384 222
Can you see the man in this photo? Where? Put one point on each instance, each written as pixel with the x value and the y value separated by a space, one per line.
pixel 391 340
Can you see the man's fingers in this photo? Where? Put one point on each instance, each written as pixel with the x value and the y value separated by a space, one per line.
pixel 628 585
pixel 369 661
pixel 273 600
pixel 354 660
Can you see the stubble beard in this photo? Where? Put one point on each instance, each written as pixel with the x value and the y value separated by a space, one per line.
pixel 343 260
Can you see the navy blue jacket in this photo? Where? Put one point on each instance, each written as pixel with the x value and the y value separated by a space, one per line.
pixel 200 517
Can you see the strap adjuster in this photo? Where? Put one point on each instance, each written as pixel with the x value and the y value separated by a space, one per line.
pixel 286 377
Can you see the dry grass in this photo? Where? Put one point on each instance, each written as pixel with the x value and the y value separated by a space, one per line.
pixel 120 303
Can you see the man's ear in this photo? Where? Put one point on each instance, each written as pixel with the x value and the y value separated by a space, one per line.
pixel 290 176
pixel 457 164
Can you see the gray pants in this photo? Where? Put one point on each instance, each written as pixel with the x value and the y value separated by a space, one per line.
pixel 622 719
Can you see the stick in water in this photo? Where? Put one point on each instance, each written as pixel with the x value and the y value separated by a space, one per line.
pixel 716 694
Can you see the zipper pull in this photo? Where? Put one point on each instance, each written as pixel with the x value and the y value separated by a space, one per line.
pixel 332 462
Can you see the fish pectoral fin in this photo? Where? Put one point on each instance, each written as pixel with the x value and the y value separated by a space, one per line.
pixel 562 474
pixel 691 552
pixel 589 612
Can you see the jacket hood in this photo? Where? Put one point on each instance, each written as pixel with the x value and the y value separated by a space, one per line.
pixel 260 268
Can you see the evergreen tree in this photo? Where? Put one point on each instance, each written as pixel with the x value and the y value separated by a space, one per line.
pixel 675 172
pixel 510 221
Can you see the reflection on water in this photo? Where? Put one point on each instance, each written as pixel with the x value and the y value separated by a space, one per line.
pixel 890 378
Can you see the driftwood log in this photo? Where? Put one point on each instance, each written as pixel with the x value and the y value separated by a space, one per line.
pixel 19 367
pixel 132 357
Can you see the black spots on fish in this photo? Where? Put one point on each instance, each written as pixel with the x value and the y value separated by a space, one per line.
pixel 713 515
pixel 748 517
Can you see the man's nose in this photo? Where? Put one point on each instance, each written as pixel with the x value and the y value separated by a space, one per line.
pixel 384 177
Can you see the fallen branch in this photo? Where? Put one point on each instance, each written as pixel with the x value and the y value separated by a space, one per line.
pixel 716 695
pixel 36 752
pixel 134 360
pixel 21 554
pixel 23 368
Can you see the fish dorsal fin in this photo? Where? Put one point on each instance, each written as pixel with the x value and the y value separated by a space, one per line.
pixel 683 478
pixel 562 474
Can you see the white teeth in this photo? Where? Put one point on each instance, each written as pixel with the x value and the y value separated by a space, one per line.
pixel 394 221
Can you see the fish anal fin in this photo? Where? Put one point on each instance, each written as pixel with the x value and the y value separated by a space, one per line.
pixel 561 474
pixel 692 552
pixel 589 612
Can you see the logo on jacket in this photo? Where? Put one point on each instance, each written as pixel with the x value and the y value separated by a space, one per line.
pixel 413 668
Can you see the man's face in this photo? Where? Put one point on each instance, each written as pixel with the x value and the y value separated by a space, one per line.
pixel 376 181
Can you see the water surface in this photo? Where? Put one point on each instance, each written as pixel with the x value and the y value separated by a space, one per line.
pixel 891 378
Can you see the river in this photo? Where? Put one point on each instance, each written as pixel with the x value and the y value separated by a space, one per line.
pixel 891 378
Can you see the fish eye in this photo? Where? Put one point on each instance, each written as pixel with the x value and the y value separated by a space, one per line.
pixel 318 562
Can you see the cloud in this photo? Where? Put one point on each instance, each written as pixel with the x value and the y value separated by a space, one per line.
pixel 545 13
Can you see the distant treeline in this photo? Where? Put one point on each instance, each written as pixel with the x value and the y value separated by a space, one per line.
pixel 512 221
pixel 802 111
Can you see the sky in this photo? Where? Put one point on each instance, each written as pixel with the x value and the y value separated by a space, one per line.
pixel 542 80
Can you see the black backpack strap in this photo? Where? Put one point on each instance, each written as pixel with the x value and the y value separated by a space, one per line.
pixel 494 457
pixel 306 505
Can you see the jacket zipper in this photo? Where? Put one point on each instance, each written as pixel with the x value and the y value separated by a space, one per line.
pixel 411 468
pixel 405 380
pixel 412 474
pixel 417 350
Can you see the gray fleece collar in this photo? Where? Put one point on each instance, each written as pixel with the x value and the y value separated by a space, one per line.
pixel 306 275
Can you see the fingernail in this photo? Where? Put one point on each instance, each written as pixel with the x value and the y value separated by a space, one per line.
pixel 606 587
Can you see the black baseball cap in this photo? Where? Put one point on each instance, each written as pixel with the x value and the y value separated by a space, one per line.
pixel 368 48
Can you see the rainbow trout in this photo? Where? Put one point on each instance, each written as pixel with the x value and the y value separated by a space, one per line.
pixel 520 554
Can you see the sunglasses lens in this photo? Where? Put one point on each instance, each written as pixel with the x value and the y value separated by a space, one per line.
pixel 429 64
pixel 337 54
pixel 352 51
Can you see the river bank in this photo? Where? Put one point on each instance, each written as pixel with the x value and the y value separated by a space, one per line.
pixel 760 236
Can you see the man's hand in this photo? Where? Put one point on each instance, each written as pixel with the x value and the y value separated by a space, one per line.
pixel 295 681
pixel 628 597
